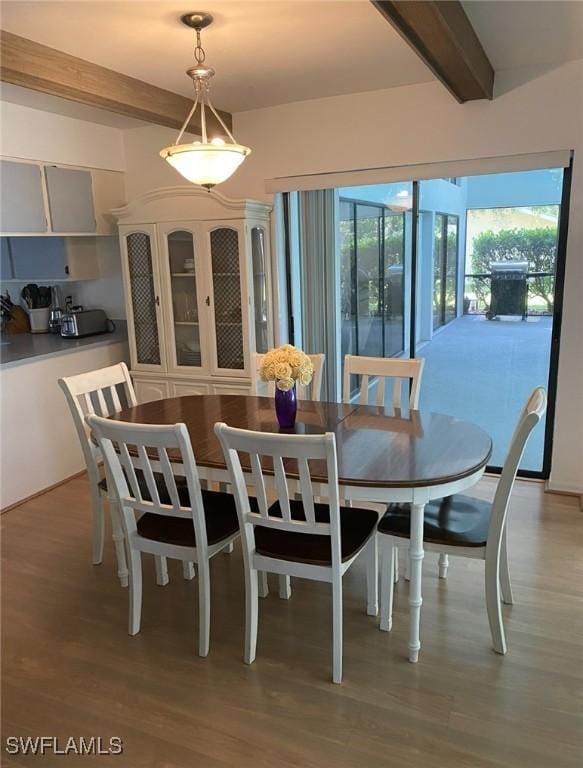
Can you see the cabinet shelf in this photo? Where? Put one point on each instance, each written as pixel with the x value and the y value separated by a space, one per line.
pixel 185 322
pixel 183 274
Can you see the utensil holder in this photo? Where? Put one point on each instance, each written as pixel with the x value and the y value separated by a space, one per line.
pixel 39 320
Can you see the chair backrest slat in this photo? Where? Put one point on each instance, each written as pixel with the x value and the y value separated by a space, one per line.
pixel 383 368
pixel 307 491
pixel 259 483
pixel 285 457
pixel 139 467
pixel 148 473
pixel 169 477
pixel 311 392
pixel 114 399
pixel 281 485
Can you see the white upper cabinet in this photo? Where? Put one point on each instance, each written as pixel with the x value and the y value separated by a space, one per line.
pixel 70 196
pixel 49 199
pixel 207 258
pixel 21 198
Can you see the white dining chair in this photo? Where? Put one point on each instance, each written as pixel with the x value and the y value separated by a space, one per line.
pixel 164 517
pixel 267 388
pixel 99 392
pixel 393 369
pixel 466 527
pixel 296 537
pixel 382 368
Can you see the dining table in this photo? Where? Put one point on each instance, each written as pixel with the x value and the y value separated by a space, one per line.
pixel 385 455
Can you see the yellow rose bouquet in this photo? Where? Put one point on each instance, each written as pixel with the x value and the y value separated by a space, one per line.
pixel 286 365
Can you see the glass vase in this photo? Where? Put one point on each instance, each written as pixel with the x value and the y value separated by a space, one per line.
pixel 286 407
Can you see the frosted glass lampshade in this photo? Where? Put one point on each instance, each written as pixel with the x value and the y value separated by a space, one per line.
pixel 205 164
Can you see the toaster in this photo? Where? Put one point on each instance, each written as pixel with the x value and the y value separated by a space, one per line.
pixel 87 322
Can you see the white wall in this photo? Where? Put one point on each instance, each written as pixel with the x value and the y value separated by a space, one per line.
pixel 420 124
pixel 31 134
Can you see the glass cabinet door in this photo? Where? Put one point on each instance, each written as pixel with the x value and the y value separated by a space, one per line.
pixel 227 300
pixel 144 298
pixel 183 302
pixel 260 288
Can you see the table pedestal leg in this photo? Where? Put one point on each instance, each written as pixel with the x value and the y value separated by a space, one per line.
pixel 415 567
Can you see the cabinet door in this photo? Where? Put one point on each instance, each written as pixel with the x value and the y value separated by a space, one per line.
pixel 142 292
pixel 148 390
pixel 21 196
pixel 39 258
pixel 228 298
pixel 6 271
pixel 261 284
pixel 183 298
pixel 70 200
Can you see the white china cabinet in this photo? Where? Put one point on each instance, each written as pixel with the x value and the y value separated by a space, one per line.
pixel 196 270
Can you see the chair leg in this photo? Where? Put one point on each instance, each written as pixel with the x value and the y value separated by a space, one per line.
pixel 396 559
pixel 507 596
pixel 161 570
pixel 388 556
pixel 337 629
pixel 188 570
pixel 98 525
pixel 443 565
pixel 251 615
pixel 407 567
pixel 204 608
pixel 372 577
pixel 135 581
pixel 284 587
pixel 263 588
pixel 493 605
pixel 119 542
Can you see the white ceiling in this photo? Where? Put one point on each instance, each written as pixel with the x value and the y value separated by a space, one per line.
pixel 277 51
pixel 522 33
pixel 265 53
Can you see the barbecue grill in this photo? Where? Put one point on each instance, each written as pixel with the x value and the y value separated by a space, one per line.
pixel 508 289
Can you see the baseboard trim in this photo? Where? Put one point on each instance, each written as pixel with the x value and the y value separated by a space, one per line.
pixel 563 489
pixel 41 493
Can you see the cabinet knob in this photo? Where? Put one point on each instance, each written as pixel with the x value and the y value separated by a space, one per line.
pixel 157 300
pixel 208 301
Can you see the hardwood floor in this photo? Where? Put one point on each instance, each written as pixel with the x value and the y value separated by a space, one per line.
pixel 70 669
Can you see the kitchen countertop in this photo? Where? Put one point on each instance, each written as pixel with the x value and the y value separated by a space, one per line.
pixel 23 348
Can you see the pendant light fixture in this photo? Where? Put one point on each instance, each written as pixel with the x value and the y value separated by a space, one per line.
pixel 206 162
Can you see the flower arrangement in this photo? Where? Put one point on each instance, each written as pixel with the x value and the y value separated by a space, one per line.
pixel 286 365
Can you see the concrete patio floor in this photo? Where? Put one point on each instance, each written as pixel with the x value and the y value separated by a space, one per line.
pixel 483 371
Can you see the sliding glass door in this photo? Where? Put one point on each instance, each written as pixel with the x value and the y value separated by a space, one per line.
pixel 372 250
pixel 445 269
pixel 465 272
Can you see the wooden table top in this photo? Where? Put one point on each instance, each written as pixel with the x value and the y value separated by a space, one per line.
pixel 377 447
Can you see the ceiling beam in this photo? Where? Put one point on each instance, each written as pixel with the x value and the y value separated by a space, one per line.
pixel 40 68
pixel 442 35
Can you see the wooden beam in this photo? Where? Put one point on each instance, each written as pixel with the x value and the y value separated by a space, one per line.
pixel 442 35
pixel 35 66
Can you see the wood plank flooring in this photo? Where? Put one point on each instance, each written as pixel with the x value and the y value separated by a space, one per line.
pixel 70 669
